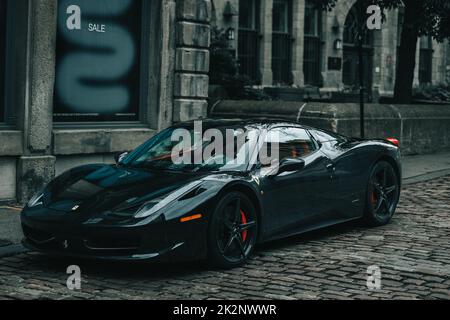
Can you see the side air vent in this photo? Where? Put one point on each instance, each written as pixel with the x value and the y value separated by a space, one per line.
pixel 193 193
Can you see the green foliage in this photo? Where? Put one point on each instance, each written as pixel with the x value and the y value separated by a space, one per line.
pixel 434 14
pixel 224 69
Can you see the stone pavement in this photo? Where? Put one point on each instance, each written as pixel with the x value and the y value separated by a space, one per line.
pixel 413 254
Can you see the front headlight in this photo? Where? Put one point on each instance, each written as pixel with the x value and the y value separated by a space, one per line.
pixel 153 207
pixel 36 200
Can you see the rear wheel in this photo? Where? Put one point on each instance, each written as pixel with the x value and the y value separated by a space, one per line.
pixel 233 231
pixel 382 194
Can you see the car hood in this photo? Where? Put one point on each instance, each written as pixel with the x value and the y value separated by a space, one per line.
pixel 103 188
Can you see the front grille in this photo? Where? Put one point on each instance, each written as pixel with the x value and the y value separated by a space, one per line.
pixel 113 243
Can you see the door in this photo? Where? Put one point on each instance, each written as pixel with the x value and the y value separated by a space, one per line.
pixel 294 201
pixel 349 169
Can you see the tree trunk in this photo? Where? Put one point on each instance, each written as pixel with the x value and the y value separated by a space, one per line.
pixel 406 61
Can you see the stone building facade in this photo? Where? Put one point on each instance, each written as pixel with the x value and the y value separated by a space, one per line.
pixel 291 43
pixel 85 79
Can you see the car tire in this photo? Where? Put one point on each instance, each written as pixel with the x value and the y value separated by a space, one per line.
pixel 383 193
pixel 232 231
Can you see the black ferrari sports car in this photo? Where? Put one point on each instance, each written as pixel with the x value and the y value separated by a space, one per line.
pixel 148 207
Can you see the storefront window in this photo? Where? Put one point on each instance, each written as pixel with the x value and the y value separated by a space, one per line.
pixel 98 69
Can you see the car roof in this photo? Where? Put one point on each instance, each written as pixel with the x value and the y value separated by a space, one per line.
pixel 256 122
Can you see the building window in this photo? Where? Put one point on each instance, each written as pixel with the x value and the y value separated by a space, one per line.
pixel 282 42
pixel 98 67
pixel 313 45
pixel 3 33
pixel 249 38
pixel 350 73
pixel 426 60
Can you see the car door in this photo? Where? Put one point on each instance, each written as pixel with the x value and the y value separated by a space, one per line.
pixel 294 201
pixel 348 193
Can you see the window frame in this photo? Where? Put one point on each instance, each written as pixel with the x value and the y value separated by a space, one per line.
pixel 309 41
pixel 281 63
pixel 255 23
pixel 144 82
pixel 249 65
pixel 288 17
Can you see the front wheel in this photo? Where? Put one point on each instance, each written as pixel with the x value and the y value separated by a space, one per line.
pixel 382 195
pixel 232 231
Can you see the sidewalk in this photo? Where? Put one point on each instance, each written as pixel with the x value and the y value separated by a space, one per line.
pixel 415 169
pixel 425 167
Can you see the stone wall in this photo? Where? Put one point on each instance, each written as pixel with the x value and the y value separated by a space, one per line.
pixel 421 129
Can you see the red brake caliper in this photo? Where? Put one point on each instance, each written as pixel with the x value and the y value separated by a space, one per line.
pixel 244 221
pixel 374 198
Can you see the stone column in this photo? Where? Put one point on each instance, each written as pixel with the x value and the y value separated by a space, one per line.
pixel 438 68
pixel 37 166
pixel 332 79
pixel 447 61
pixel 416 70
pixel 265 50
pixel 385 52
pixel 298 29
pixel 192 59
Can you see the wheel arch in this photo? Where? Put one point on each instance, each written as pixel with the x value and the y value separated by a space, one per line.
pixel 389 159
pixel 252 195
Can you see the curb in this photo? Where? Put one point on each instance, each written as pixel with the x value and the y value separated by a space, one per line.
pixel 426 177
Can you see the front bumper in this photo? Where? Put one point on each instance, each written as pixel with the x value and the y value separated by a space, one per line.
pixel 160 241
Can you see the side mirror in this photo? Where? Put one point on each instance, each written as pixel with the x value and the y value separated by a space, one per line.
pixel 120 156
pixel 291 165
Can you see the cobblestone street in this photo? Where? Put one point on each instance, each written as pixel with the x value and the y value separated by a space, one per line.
pixel 413 253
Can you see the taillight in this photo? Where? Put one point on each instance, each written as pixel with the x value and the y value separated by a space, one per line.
pixel 394 141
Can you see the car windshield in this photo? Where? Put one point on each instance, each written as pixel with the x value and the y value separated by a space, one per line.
pixel 195 149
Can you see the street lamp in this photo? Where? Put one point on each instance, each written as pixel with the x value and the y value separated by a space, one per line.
pixel 231 34
pixel 338 44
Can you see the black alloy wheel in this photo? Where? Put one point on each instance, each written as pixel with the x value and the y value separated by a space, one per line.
pixel 233 231
pixel 383 194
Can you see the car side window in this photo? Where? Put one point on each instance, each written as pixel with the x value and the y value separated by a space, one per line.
pixel 293 142
pixel 323 136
